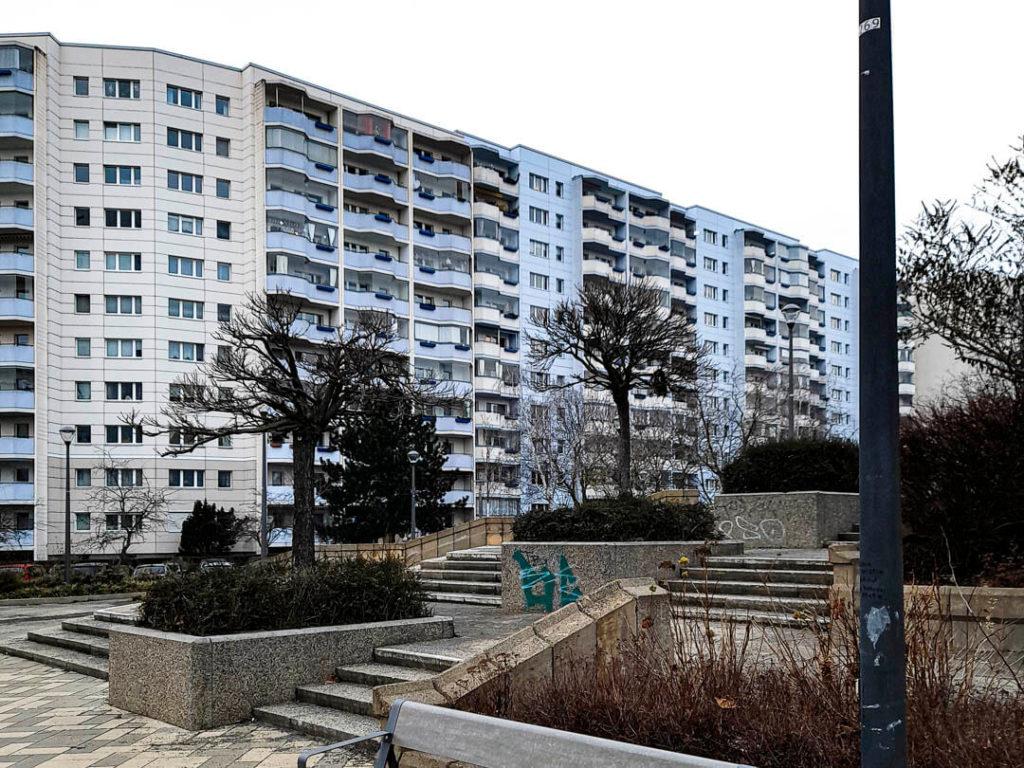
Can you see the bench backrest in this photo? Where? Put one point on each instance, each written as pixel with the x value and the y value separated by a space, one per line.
pixel 491 742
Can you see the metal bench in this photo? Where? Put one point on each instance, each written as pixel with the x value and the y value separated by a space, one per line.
pixel 490 742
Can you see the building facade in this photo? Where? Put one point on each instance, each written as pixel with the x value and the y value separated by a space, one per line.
pixel 145 194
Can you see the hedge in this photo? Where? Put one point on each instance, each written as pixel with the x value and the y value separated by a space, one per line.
pixel 615 520
pixel 806 464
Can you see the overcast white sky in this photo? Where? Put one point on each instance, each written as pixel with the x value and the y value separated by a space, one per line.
pixel 746 106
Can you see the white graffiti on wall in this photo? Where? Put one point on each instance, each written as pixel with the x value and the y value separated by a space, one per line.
pixel 770 530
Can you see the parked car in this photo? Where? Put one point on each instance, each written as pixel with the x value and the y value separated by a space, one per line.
pixel 86 570
pixel 27 571
pixel 155 570
pixel 212 563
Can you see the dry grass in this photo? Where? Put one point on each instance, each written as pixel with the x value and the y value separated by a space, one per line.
pixel 785 698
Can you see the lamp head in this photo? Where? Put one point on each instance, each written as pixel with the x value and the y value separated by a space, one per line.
pixel 67 434
pixel 414 456
pixel 791 312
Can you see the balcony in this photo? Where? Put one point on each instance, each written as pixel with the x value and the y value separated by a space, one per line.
pixel 17 493
pixel 380 184
pixel 754 278
pixel 379 262
pixel 291 201
pixel 282 454
pixel 604 238
pixel 424 161
pixel 15 176
pixel 444 351
pixel 794 291
pixel 752 333
pixel 649 250
pixel 297 285
pixel 12 263
pixel 754 306
pixel 904 366
pixel 377 145
pixel 453 425
pixel 16 127
pixel 440 314
pixel 443 278
pixel 18 447
pixel 489 177
pixel 312 128
pixel 381 300
pixel 459 462
pixel 286 241
pixel 598 268
pixel 313 332
pixel 382 224
pixel 18 308
pixel 16 79
pixel 16 218
pixel 17 400
pixel 650 221
pixel 454 497
pixel 17 354
pixel 496 282
pixel 442 242
pixel 451 206
pixel 759 362
pixel 594 203
pixel 907 388
pixel 296 161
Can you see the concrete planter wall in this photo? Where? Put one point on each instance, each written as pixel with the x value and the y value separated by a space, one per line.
pixel 799 520
pixel 204 682
pixel 543 576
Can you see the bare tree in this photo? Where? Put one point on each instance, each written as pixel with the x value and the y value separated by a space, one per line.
pixel 124 508
pixel 624 340
pixel 10 531
pixel 555 462
pixel 277 372
pixel 962 266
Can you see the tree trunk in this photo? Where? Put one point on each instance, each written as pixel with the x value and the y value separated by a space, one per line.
pixel 303 456
pixel 625 457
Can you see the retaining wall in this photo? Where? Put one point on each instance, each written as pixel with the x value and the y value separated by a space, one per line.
pixel 798 520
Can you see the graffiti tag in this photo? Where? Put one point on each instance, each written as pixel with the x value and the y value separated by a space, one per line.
pixel 770 530
pixel 538 583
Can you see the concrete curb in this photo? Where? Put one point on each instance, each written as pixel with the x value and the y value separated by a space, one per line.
pixel 68 599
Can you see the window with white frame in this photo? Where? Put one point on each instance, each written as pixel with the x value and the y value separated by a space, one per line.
pixel 124 347
pixel 122 390
pixel 539 249
pixel 538 183
pixel 186 225
pixel 538 281
pixel 123 175
pixel 190 310
pixel 123 218
pixel 122 305
pixel 185 182
pixel 181 139
pixel 184 266
pixel 538 215
pixel 186 478
pixel 114 88
pixel 184 97
pixel 188 351
pixel 117 261
pixel 131 132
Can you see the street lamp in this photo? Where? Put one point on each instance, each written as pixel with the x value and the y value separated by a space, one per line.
pixel 264 533
pixel 790 313
pixel 414 457
pixel 67 434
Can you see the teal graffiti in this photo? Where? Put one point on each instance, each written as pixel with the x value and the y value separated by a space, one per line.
pixel 533 576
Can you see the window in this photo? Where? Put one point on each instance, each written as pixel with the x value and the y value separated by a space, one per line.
pixel 538 249
pixel 186 478
pixel 82 260
pixel 559 252
pixel 559 285
pixel 123 390
pixel 124 477
pixel 223 230
pixel 123 433
pixel 122 132
pixel 122 262
pixel 184 97
pixel 538 281
pixel 836 347
pixel 191 310
pixel 184 139
pixel 711 292
pixel 710 237
pixel 81 86
pixel 710 264
pixel 125 175
pixel 180 265
pixel 224 441
pixel 188 351
pixel 81 129
pixel 83 433
pixel 835 299
pixel 83 390
pixel 559 189
pixel 123 305
pixel 185 182
pixel 83 303
pixel 834 275
pixel 83 347
pixel 223 188
pixel 223 270
pixel 81 217
pixel 81 173
pixel 222 104
pixel 223 147
pixel 538 216
pixel 83 477
pixel 124 347
pixel 223 478
pixel 223 313
pixel 725 294
pixel 538 315
pixel 538 183
pixel 186 225
pixel 725 267
pixel 559 221
pixel 710 319
pixel 120 89
pixel 129 218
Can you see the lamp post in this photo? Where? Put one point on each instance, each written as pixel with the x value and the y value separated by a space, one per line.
pixel 790 313
pixel 414 457
pixel 264 523
pixel 67 434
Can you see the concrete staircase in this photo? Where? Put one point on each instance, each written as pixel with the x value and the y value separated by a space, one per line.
pixel 340 709
pixel 470 576
pixel 784 591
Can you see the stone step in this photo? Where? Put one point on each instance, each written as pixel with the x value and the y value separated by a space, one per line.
pixel 850 536
pixel 322 723
pixel 474 555
pixel 74 641
pixel 769 563
pixel 62 658
pixel 403 657
pixel 87 627
pixel 374 674
pixel 444 564
pixel 765 603
pixel 691 586
pixel 346 697
pixel 462 598
pixel 462 587
pixel 120 615
pixel 766 576
pixel 770 618
pixel 447 574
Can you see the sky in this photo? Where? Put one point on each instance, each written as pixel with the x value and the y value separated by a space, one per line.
pixel 744 106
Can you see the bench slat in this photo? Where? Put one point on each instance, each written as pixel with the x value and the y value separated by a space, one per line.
pixel 491 742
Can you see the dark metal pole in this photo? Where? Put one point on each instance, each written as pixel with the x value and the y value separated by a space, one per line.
pixel 412 502
pixel 792 391
pixel 264 523
pixel 882 653
pixel 67 513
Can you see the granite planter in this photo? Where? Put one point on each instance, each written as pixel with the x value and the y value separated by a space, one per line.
pixel 205 682
pixel 543 576
pixel 798 520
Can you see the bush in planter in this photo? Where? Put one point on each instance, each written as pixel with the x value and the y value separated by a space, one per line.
pixel 806 464
pixel 630 519
pixel 264 597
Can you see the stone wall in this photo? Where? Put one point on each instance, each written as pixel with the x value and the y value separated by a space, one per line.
pixel 204 682
pixel 543 576
pixel 798 520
